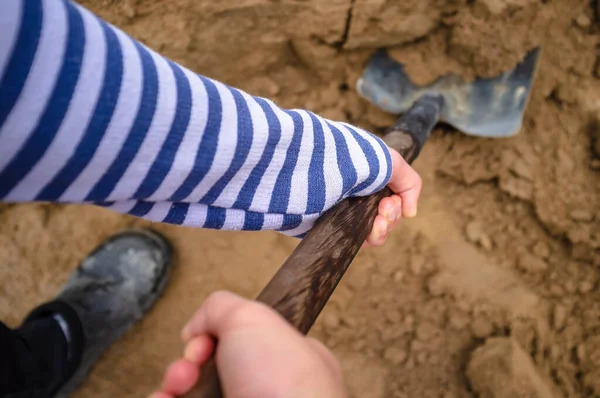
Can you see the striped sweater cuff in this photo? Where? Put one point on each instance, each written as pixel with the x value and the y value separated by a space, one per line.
pixel 89 115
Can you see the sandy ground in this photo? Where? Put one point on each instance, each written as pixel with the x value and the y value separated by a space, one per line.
pixel 492 291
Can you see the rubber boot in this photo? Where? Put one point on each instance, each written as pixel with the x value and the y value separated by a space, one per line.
pixel 106 295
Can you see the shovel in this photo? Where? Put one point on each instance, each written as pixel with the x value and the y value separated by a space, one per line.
pixel 485 108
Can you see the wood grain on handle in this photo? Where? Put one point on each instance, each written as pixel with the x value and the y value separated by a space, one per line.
pixel 301 287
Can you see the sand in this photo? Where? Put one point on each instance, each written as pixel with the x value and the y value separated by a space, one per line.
pixel 492 291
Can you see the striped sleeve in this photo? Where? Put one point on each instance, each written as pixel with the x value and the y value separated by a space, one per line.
pixel 89 115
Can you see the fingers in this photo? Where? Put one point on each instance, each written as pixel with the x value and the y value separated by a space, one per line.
pixel 389 214
pixel 183 374
pixel 389 210
pixel 180 377
pixel 379 232
pixel 406 183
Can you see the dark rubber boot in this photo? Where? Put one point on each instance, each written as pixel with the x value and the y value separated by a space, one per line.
pixel 108 293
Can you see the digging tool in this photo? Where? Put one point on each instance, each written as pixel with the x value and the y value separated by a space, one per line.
pixel 485 108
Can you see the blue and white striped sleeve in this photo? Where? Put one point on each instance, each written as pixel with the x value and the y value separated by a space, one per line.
pixel 89 115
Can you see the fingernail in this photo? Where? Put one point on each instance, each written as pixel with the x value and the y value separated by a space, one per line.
pixel 398 213
pixel 392 214
pixel 411 213
pixel 189 353
pixel 383 231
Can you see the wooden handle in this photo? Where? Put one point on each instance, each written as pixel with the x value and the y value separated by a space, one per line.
pixel 301 287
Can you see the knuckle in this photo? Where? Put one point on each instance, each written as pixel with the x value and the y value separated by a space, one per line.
pixel 234 311
pixel 216 297
pixel 249 312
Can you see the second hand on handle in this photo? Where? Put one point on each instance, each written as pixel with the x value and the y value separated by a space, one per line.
pixel 301 287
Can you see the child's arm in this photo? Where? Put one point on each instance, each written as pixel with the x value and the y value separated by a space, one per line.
pixel 89 115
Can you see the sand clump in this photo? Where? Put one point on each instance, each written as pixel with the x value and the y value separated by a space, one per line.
pixel 494 285
pixel 501 369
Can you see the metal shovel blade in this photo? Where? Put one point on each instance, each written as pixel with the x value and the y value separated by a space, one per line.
pixel 486 107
